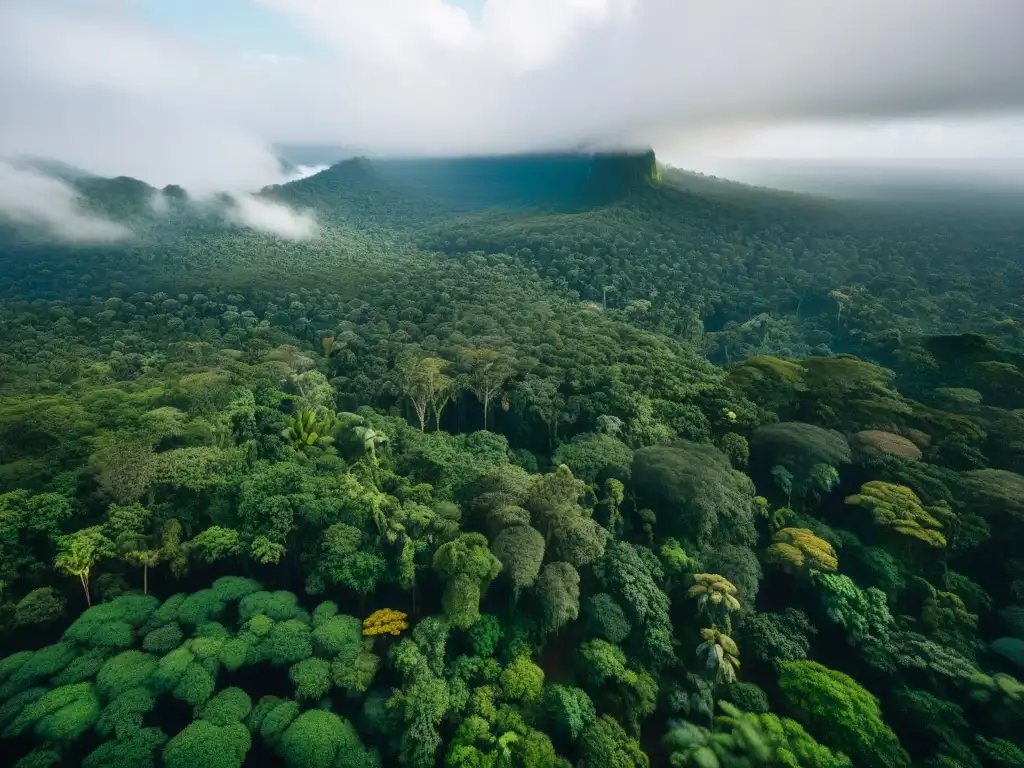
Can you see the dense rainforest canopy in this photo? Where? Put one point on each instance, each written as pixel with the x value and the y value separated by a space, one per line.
pixel 539 462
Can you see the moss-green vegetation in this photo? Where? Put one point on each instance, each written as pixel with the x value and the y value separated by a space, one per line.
pixel 580 485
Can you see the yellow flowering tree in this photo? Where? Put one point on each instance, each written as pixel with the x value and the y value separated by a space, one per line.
pixel 386 621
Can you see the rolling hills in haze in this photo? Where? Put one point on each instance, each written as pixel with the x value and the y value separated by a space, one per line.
pixel 674 251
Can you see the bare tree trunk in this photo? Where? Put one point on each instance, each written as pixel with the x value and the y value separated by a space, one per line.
pixel 145 579
pixel 438 412
pixel 487 401
pixel 85 588
pixel 421 414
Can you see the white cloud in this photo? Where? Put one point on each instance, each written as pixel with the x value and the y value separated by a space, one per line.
pixel 30 197
pixel 304 172
pixel 159 204
pixel 272 218
pixel 510 36
pixel 954 138
pixel 423 76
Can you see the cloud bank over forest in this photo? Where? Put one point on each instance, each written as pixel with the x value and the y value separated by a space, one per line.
pixel 31 197
pixel 128 97
pixel 272 218
pixel 54 209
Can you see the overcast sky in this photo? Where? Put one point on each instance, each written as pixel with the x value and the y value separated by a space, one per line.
pixel 195 91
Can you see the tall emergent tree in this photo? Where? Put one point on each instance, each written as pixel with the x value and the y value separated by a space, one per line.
pixel 487 373
pixel 427 385
pixel 79 552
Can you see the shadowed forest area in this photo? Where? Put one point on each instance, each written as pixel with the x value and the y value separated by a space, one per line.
pixel 522 462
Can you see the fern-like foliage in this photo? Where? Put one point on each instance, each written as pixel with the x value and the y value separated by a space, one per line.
pixel 799 550
pixel 898 508
pixel 307 427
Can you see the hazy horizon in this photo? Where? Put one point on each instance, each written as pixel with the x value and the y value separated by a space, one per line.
pixel 196 94
pixel 865 177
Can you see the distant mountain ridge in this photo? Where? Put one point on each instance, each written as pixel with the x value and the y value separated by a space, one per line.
pixel 369 193
pixel 56 169
pixel 476 183
pixel 429 198
pixel 411 193
pixel 612 228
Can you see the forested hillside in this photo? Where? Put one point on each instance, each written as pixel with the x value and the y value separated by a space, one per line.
pixel 540 462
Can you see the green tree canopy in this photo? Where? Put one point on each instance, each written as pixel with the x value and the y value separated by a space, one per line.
pixel 841 713
pixel 696 493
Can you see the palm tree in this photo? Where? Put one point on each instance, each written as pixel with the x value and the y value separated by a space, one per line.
pixel 720 655
pixel 370 438
pixel 309 427
pixel 79 552
pixel 302 429
pixel 716 597
pixel 138 550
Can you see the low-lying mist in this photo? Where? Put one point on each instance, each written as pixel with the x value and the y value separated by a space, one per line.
pixel 912 180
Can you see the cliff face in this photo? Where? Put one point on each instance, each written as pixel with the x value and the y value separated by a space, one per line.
pixel 553 180
pixel 614 174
